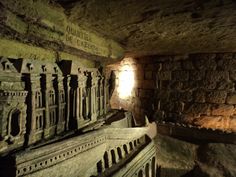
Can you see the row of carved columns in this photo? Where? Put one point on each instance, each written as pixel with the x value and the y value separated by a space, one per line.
pixel 115 155
pixel 148 169
pixel 87 96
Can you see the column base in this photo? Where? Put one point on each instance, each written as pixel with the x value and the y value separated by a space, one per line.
pixel 49 132
pixel 83 123
pixel 60 127
pixel 35 136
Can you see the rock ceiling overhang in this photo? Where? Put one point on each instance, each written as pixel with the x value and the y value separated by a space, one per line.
pixel 160 26
pixel 39 29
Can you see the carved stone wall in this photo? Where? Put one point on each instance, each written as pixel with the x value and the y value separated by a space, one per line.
pixel 43 100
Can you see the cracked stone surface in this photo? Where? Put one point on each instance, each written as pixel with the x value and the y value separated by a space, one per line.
pixel 160 26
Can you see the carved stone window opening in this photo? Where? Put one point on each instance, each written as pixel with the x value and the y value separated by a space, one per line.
pixel 63 113
pixel 153 166
pixel 6 65
pixel 38 99
pixel 119 152
pixel 62 94
pixel 39 122
pixel 52 117
pixel 147 170
pixel 84 104
pixel 106 160
pixel 15 118
pixel 52 100
pixel 113 156
pixel 140 173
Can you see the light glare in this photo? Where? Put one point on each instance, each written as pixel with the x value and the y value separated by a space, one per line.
pixel 126 82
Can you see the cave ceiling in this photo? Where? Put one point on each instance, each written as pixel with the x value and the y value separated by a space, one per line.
pixel 146 27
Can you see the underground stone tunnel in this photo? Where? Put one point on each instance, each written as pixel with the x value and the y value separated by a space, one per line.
pixel 117 88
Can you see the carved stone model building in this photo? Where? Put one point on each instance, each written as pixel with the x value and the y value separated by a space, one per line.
pixel 41 100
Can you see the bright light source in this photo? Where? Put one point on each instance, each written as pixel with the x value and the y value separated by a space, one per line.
pixel 126 81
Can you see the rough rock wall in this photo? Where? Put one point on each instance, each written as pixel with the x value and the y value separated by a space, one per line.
pixel 40 30
pixel 197 89
pixel 161 26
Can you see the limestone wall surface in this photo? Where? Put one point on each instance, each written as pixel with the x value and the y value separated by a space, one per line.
pixel 197 89
pixel 44 29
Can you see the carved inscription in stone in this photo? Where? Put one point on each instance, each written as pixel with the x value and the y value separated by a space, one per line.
pixel 76 37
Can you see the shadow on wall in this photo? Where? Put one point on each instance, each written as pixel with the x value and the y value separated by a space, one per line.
pixel 112 83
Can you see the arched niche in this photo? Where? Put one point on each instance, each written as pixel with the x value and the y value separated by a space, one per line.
pixel 14 122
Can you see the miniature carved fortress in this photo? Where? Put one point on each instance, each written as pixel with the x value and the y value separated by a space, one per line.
pixel 40 100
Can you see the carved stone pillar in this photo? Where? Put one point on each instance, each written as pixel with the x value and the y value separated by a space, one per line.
pixel 94 86
pixel 109 159
pixel 98 96
pixel 106 96
pixel 67 97
pixel 81 97
pixel 122 153
pixel 34 81
pixel 61 104
pixel 48 87
pixel 103 168
pixel 73 102
pixel 87 103
pixel 101 111
pixel 117 159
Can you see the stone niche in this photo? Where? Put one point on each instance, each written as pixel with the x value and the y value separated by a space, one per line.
pixel 42 100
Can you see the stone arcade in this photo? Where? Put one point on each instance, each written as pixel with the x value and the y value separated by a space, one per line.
pixel 101 88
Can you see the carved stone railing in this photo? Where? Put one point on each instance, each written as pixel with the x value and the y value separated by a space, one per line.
pixel 84 155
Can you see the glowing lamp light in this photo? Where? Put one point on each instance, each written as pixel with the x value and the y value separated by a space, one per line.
pixel 126 82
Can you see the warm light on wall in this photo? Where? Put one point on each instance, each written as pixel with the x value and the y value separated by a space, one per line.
pixel 126 81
